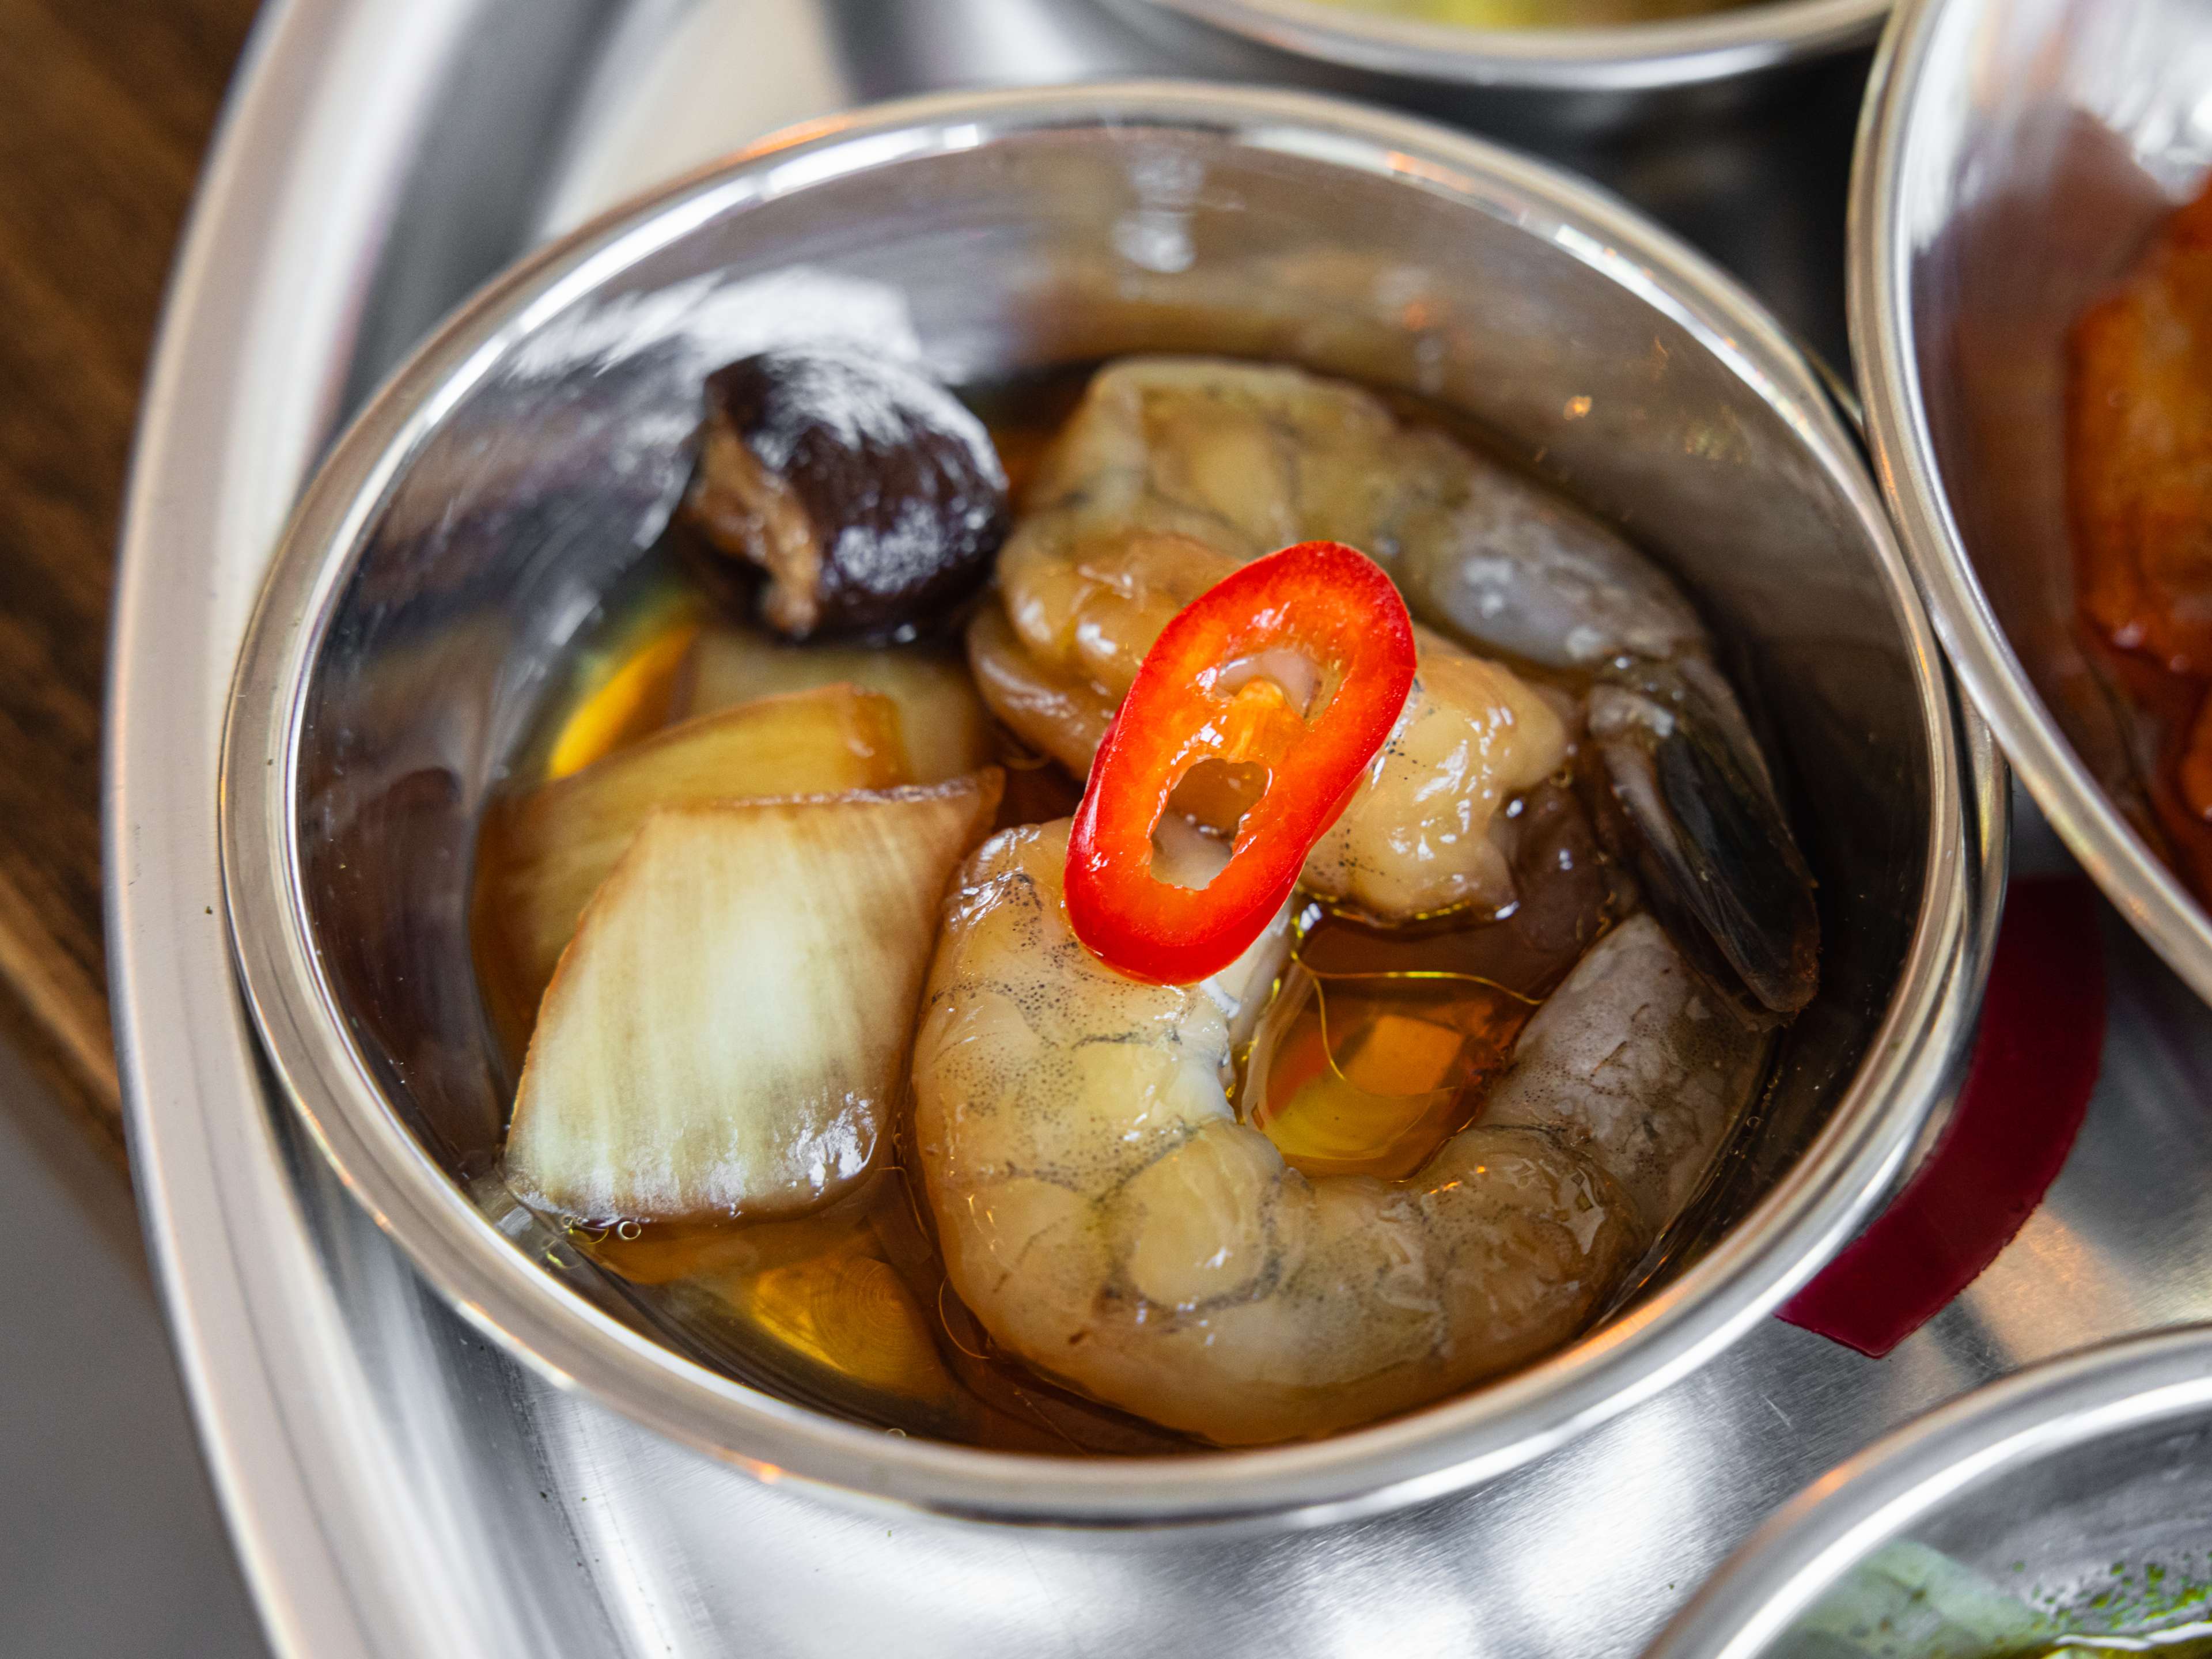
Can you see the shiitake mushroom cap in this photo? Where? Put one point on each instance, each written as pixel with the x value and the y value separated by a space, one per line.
pixel 869 496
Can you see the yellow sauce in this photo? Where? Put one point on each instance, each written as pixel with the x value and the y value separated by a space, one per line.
pixel 1537 14
pixel 633 702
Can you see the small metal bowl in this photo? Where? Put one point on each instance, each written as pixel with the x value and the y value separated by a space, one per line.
pixel 484 505
pixel 2015 158
pixel 2080 1488
pixel 1611 68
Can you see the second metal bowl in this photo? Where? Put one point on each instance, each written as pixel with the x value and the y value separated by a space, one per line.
pixel 1616 61
pixel 2016 156
pixel 2073 1499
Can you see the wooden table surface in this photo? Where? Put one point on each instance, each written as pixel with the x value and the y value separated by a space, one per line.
pixel 106 106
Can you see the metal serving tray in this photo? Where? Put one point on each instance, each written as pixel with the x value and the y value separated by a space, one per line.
pixel 397 1486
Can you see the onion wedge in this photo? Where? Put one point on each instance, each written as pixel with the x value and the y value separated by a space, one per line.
pixel 547 852
pixel 729 1031
pixel 945 726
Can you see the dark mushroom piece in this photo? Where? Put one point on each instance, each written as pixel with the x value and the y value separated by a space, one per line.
pixel 869 495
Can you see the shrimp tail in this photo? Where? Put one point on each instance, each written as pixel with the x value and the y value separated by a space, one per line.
pixel 1686 801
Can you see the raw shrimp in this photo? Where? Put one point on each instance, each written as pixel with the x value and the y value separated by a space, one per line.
pixel 1169 454
pixel 1246 457
pixel 1418 837
pixel 1105 1215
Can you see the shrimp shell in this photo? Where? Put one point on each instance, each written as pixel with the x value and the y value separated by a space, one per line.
pixel 1112 1224
pixel 1174 465
pixel 1077 616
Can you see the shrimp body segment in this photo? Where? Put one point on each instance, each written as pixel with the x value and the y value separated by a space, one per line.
pixel 1173 465
pixel 1078 617
pixel 1113 1225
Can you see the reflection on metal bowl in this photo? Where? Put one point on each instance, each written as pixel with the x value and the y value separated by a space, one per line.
pixel 2018 155
pixel 494 492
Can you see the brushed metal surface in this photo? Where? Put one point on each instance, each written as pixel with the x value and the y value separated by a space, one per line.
pixel 2016 155
pixel 397 1486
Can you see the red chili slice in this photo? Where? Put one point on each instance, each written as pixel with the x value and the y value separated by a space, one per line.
pixel 1204 693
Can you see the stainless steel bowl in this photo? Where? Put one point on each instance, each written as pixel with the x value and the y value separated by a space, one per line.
pixel 2080 1488
pixel 482 506
pixel 2016 156
pixel 1610 67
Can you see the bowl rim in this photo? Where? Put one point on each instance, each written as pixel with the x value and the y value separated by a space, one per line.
pixel 1622 57
pixel 1844 1516
pixel 1879 298
pixel 1905 1073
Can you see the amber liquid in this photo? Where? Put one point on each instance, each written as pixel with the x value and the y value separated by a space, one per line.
pixel 1376 1053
